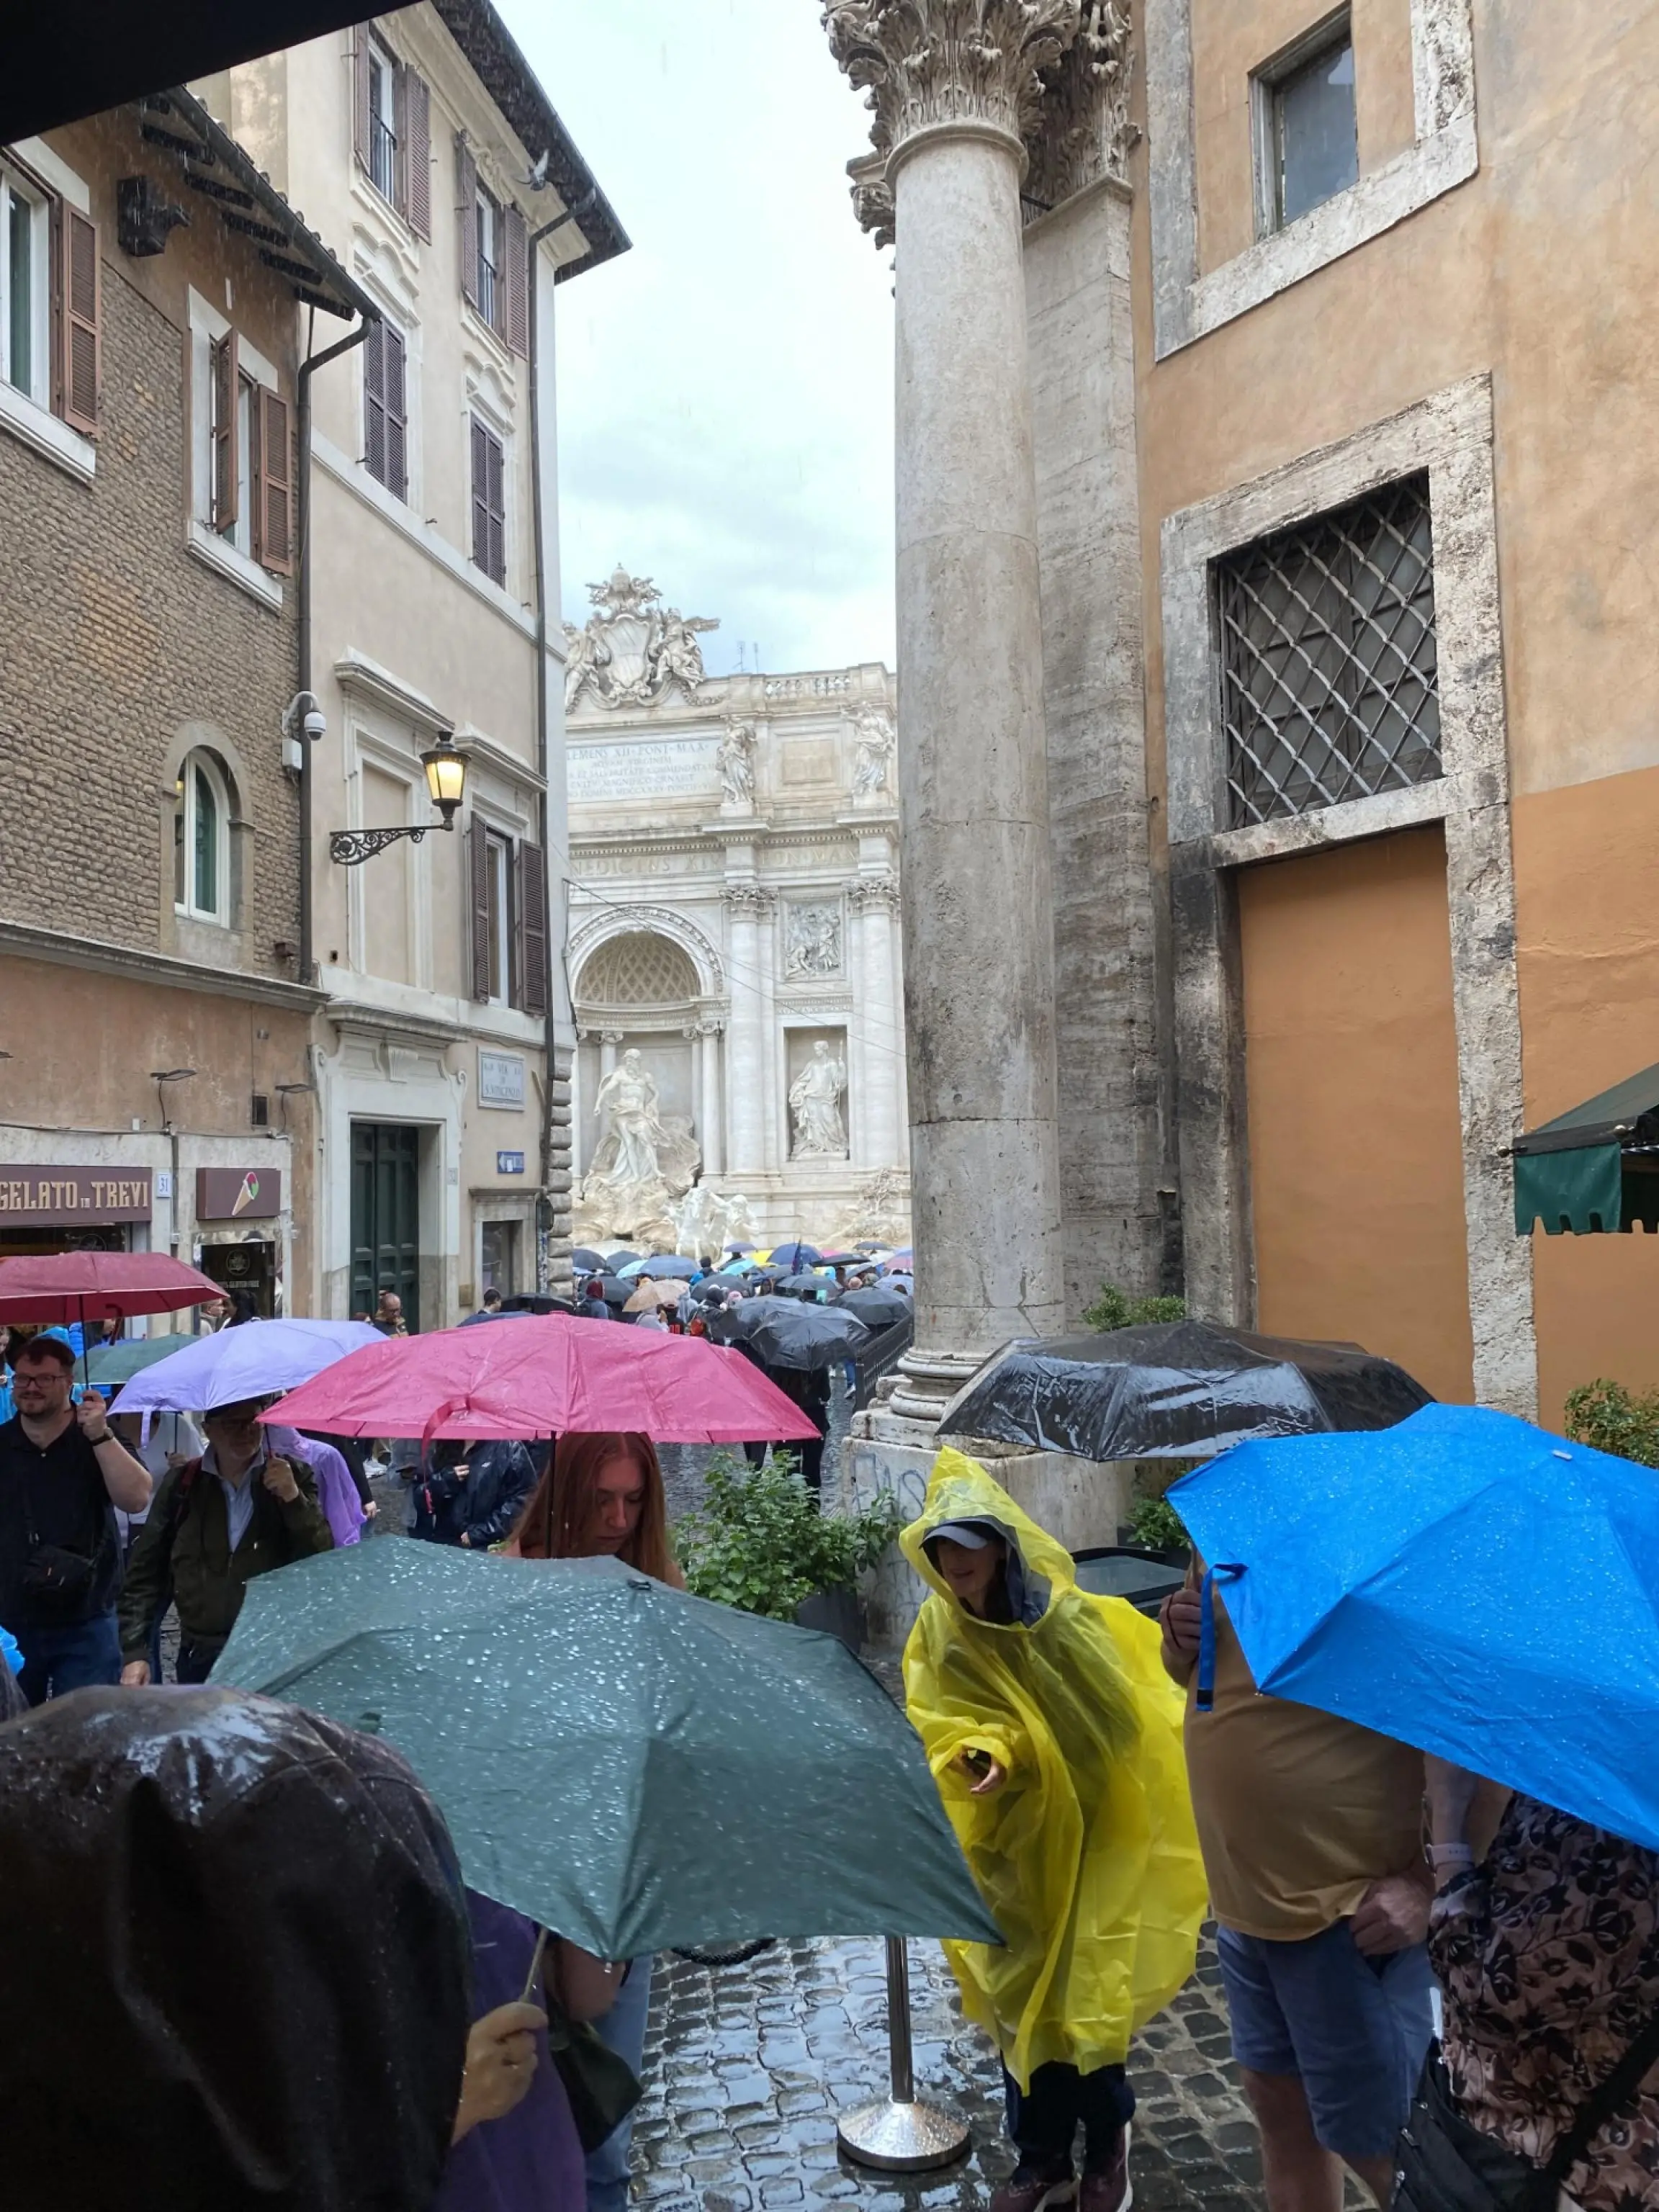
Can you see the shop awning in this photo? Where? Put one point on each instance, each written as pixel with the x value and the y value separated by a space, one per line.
pixel 1594 1168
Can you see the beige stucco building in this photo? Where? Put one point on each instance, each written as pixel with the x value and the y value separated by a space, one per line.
pixel 1275 473
pixel 432 159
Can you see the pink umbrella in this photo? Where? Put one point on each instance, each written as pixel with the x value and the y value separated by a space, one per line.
pixel 543 1375
pixel 56 1288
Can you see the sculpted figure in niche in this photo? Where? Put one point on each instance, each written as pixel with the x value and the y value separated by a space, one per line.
pixel 736 764
pixel 875 753
pixel 627 1152
pixel 815 1101
pixel 814 946
pixel 679 657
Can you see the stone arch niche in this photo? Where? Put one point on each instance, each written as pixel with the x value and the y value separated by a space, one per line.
pixel 638 988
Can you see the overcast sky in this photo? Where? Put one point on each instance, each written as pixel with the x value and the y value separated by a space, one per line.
pixel 726 388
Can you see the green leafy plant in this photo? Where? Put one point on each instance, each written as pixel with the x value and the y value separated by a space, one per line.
pixel 760 1542
pixel 1611 1418
pixel 1158 1525
pixel 1115 1309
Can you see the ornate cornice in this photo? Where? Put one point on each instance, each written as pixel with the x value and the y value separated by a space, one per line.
pixel 1053 74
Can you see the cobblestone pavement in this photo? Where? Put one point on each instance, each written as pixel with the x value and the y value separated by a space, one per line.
pixel 746 2068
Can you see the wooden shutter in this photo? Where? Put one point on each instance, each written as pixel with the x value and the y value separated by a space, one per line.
pixel 274 517
pixel 478 877
pixel 79 355
pixel 417 127
pixel 397 414
pixel 400 138
pixel 374 401
pixel 495 502
pixel 466 194
pixel 360 96
pixel 532 903
pixel 480 500
pixel 516 255
pixel 226 469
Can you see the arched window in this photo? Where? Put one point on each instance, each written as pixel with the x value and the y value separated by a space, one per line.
pixel 201 840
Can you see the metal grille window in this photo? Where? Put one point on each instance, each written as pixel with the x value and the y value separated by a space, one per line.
pixel 1328 682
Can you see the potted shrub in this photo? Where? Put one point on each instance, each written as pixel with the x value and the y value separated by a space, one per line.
pixel 760 1542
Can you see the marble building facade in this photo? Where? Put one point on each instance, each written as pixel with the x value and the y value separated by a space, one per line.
pixel 733 950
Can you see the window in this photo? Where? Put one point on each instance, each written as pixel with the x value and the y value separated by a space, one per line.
pixel 508 888
pixel 383 123
pixel 1329 684
pixel 201 842
pixel 386 409
pixel 489 503
pixel 498 863
pixel 243 465
pixel 487 217
pixel 1308 138
pixel 25 288
pixel 497 1255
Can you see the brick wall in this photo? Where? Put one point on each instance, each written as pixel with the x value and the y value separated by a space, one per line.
pixel 112 636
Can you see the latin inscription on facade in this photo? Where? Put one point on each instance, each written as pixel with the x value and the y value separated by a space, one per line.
pixel 660 767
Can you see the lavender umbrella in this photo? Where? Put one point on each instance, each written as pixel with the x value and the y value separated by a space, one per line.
pixel 257 1360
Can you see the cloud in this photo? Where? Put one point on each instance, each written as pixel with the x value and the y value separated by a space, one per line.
pixel 726 389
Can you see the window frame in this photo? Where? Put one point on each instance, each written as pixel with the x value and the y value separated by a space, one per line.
pixel 501 876
pixel 1267 83
pixel 199 763
pixel 388 328
pixel 487 210
pixel 16 184
pixel 383 68
pixel 488 533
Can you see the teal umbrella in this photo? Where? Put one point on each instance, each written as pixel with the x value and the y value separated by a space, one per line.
pixel 637 1769
pixel 108 1363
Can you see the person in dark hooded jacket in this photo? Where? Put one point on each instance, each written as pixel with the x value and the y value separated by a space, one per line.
pixel 233 1959
pixel 473 1493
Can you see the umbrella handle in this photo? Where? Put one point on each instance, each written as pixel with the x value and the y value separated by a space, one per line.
pixel 1230 1570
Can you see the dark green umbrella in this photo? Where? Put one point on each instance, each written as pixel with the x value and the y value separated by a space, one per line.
pixel 634 1767
pixel 119 1363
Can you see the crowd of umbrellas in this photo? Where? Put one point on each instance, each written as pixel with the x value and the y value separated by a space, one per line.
pixel 640 1768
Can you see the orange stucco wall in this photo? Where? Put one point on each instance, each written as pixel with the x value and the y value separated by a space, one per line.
pixel 1588 961
pixel 1350 1061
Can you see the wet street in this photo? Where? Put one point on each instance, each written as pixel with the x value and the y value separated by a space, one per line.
pixel 747 2067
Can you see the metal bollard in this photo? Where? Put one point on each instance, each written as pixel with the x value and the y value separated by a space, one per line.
pixel 896 2133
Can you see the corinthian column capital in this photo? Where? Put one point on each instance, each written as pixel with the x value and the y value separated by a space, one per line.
pixel 932 62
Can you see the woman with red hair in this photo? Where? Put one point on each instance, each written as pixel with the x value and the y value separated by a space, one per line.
pixel 602 1498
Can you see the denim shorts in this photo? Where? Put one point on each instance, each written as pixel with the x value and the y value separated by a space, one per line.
pixel 1356 2030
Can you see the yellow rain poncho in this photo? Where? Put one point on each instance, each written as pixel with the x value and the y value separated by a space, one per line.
pixel 1086 1856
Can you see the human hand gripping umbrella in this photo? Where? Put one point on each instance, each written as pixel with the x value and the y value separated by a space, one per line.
pixel 634 1767
pixel 1464 1582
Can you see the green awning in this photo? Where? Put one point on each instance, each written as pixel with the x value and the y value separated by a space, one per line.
pixel 1596 1169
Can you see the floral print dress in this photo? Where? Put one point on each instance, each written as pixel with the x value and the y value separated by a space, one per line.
pixel 1548 1954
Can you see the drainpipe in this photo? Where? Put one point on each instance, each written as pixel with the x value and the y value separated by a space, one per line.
pixel 308 369
pixel 543 713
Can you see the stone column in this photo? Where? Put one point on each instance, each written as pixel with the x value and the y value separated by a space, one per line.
pixel 708 1096
pixel 954 86
pixel 872 899
pixel 745 1058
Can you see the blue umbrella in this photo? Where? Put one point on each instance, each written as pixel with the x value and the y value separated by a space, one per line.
pixel 1463 1582
pixel 790 1257
pixel 661 1268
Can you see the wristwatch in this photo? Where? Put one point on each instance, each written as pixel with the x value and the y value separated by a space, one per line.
pixel 1446 1855
pixel 108 1436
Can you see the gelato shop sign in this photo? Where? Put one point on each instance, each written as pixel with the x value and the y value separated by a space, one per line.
pixel 35 1192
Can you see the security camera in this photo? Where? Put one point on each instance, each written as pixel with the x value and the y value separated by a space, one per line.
pixel 314 724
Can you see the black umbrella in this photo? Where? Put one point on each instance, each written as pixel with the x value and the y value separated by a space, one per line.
pixel 1183 1389
pixel 877 1308
pixel 614 1291
pixel 784 1333
pixel 806 1281
pixel 622 1259
pixel 794 1255
pixel 713 1290
pixel 591 1262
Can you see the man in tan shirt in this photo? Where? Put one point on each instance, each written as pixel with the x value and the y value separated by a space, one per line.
pixel 1311 1830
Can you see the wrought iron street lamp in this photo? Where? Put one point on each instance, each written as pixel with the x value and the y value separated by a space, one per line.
pixel 446 781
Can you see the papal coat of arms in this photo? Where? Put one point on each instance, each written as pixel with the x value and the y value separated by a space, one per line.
pixel 633 648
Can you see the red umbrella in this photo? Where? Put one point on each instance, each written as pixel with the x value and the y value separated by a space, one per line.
pixel 61 1287
pixel 542 1375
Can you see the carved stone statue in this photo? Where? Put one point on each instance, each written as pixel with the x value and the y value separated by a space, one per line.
pixel 737 766
pixel 873 763
pixel 813 946
pixel 628 1151
pixel 705 1223
pixel 815 1101
pixel 633 647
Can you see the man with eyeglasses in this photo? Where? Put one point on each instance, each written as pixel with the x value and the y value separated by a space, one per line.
pixel 62 1471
